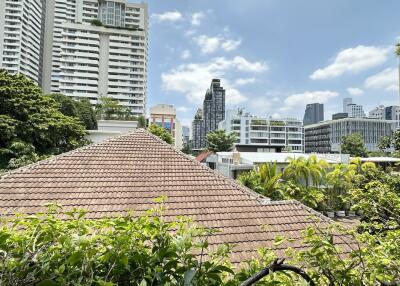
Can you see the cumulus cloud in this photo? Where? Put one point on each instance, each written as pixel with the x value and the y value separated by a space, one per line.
pixel 352 60
pixel 244 81
pixel 355 91
pixel 193 79
pixel 185 54
pixel 388 80
pixel 169 16
pixel 301 99
pixel 230 45
pixel 182 109
pixel 196 18
pixel 208 44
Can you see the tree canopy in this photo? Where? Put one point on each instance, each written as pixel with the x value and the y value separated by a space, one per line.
pixel 34 120
pixel 77 108
pixel 162 133
pixel 220 141
pixel 353 144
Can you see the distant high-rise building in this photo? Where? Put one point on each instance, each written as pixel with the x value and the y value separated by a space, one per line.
pixel 213 113
pixel 198 138
pixel 314 113
pixel 353 110
pixel 21 31
pixel 164 115
pixel 377 113
pixel 214 106
pixel 392 113
pixel 346 102
pixel 97 48
pixel 185 134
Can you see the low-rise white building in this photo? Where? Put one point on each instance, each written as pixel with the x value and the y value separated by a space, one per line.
pixel 262 134
pixel 232 164
pixel 107 129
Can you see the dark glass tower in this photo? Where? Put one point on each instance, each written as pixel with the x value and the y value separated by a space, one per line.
pixel 314 113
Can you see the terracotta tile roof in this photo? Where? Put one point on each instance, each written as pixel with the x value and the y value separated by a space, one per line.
pixel 130 171
pixel 203 155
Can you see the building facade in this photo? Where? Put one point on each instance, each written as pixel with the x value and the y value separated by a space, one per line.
pixel 377 113
pixel 185 135
pixel 258 134
pixel 353 110
pixel 198 136
pixel 213 112
pixel 314 113
pixel 326 137
pixel 21 32
pixel 97 48
pixel 164 115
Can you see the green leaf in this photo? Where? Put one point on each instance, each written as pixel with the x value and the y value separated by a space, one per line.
pixel 188 277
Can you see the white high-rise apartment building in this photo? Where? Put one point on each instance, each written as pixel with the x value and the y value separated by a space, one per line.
pixel 96 48
pixel 20 37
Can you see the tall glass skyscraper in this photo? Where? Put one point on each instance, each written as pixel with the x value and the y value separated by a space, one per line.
pixel 314 113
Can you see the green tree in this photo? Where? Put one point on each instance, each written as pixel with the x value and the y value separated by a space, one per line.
pixel 353 144
pixel 141 122
pixel 396 140
pixel 162 133
pixel 187 148
pixel 264 179
pixel 309 171
pixel 220 141
pixel 384 143
pixel 27 116
pixel 77 108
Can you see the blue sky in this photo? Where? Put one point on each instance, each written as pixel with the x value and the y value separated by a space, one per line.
pixel 273 57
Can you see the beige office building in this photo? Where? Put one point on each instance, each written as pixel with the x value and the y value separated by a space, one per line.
pixel 164 115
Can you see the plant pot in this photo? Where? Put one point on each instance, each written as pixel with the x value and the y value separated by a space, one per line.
pixel 340 213
pixel 330 214
pixel 351 213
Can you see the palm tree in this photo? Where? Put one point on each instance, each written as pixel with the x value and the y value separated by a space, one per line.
pixel 297 170
pixel 301 170
pixel 270 180
pixel 337 182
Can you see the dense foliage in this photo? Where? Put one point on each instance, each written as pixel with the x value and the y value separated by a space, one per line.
pixel 77 108
pixel 161 132
pixel 220 141
pixel 31 124
pixel 109 108
pixel 146 250
pixel 353 144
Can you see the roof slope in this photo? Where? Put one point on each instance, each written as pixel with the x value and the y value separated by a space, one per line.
pixel 130 171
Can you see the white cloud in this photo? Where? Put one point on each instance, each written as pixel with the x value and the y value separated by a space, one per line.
pixel 185 54
pixel 299 100
pixel 230 45
pixel 355 91
pixel 169 16
pixel 210 45
pixel 196 18
pixel 388 80
pixel 182 109
pixel 207 44
pixel 352 60
pixel 244 81
pixel 261 105
pixel 193 79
